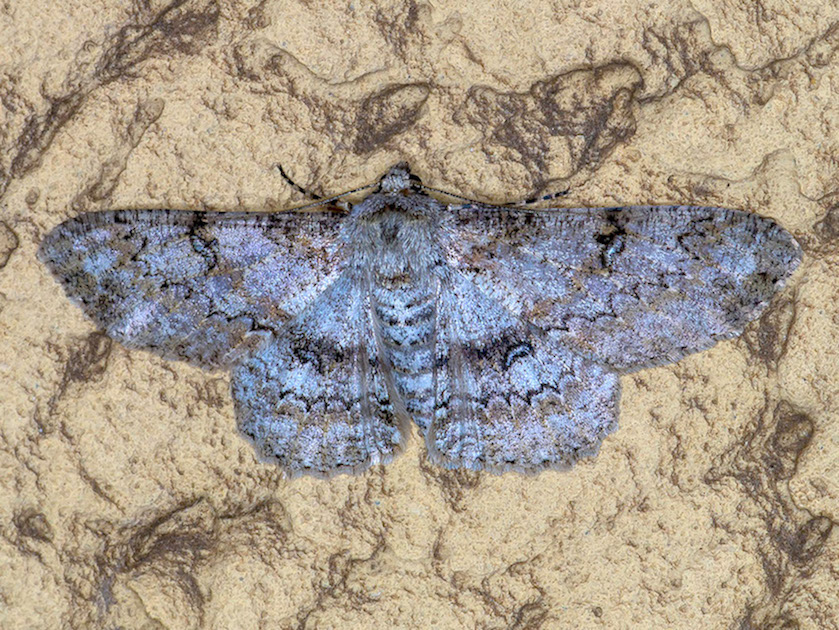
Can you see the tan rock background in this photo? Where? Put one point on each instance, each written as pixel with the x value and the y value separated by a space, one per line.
pixel 128 500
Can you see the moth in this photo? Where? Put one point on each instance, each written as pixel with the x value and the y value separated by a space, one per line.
pixel 500 331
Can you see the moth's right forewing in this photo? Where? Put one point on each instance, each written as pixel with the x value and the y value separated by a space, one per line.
pixel 193 285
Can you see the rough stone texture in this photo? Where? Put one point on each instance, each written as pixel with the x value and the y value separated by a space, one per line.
pixel 127 499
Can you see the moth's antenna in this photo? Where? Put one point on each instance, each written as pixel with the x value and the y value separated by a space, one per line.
pixel 535 200
pixel 525 202
pixel 446 193
pixel 320 201
pixel 295 185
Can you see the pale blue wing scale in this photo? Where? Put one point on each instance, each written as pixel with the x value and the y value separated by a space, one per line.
pixel 193 285
pixel 507 397
pixel 629 287
pixel 318 398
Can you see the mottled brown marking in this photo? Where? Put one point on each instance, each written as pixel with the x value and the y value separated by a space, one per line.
pixel 456 486
pixel 86 362
pixel 9 242
pixel 768 340
pixel 179 27
pixel 388 113
pixel 399 26
pixel 793 433
pixel 826 229
pixel 31 523
pixel 145 114
pixel 791 539
pixel 808 542
pixel 592 109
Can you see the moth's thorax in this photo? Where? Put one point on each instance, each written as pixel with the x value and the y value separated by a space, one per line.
pixel 393 234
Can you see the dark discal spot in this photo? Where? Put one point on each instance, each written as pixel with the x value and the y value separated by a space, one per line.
pixel 202 240
pixel 501 352
pixel 516 352
pixel 316 352
pixel 388 113
pixel 31 523
pixel 9 242
pixel 206 248
pixel 612 238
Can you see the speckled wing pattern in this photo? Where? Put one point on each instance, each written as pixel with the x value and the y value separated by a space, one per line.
pixel 319 397
pixel 193 285
pixel 549 306
pixel 259 293
pixel 500 331
pixel 507 397
pixel 630 287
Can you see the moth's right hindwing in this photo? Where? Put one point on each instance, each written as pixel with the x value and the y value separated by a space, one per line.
pixel 318 398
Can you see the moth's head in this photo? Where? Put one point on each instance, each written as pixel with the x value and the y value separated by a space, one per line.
pixel 399 178
pixel 400 196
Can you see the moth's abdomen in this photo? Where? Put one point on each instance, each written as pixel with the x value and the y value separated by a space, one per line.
pixel 405 311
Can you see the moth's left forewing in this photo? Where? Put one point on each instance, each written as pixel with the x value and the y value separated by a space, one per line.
pixel 629 287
